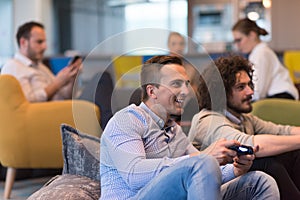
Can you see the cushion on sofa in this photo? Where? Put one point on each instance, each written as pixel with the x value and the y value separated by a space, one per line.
pixel 81 153
pixel 81 175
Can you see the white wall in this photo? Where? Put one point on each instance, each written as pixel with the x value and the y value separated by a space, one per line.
pixel 5 27
pixel 285 24
pixel 6 35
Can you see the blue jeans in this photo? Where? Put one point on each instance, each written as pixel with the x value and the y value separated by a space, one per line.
pixel 252 185
pixel 199 177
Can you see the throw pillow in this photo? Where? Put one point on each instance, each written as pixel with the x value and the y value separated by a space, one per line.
pixel 81 153
pixel 81 175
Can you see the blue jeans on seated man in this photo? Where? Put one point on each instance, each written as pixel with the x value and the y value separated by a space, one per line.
pixel 199 177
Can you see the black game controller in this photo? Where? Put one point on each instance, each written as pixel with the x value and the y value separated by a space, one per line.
pixel 242 149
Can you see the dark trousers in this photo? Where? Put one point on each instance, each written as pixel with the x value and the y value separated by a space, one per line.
pixel 283 95
pixel 285 169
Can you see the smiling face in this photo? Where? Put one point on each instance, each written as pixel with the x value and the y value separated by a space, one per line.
pixel 35 46
pixel 168 98
pixel 240 99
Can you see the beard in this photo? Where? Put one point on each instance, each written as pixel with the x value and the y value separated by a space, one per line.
pixel 35 56
pixel 240 108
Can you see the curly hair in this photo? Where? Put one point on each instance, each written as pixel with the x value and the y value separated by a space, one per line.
pixel 218 79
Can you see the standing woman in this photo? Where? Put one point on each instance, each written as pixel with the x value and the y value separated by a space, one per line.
pixel 271 79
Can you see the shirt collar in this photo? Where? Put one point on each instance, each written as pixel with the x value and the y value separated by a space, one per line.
pixel 160 122
pixel 233 118
pixel 23 59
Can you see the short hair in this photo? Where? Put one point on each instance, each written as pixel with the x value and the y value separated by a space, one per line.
pixel 150 72
pixel 246 25
pixel 25 29
pixel 218 79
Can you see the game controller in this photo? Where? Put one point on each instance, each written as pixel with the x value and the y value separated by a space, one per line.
pixel 242 149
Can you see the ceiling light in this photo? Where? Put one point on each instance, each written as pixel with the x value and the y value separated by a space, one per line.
pixel 253 16
pixel 267 3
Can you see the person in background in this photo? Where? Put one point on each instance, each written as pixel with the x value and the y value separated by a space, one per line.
pixel 40 84
pixel 146 155
pixel 176 44
pixel 37 81
pixel 225 95
pixel 271 78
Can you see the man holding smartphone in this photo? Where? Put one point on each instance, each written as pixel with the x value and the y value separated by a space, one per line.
pixel 37 81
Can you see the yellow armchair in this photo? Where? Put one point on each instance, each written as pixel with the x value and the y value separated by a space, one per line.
pixel 30 132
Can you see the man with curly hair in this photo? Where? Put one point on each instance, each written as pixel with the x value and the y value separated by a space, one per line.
pixel 225 95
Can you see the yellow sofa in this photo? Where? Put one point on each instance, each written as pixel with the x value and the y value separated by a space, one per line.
pixel 280 111
pixel 30 132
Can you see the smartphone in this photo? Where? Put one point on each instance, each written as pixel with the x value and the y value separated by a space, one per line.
pixel 74 59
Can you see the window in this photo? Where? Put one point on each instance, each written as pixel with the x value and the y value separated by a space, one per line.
pixel 6 31
pixel 167 15
pixel 164 15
